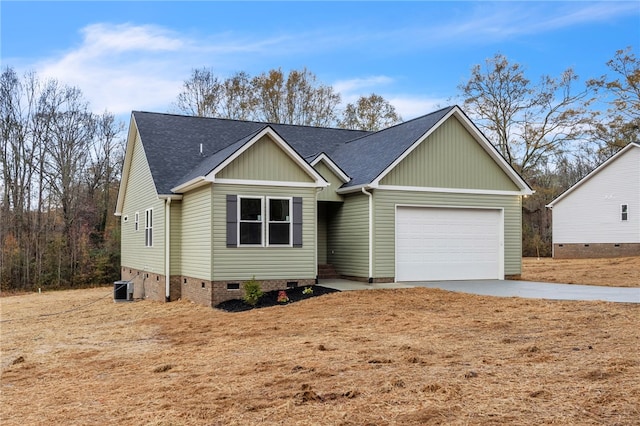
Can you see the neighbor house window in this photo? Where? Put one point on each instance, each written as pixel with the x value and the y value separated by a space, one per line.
pixel 624 212
pixel 148 228
pixel 279 229
pixel 136 221
pixel 250 223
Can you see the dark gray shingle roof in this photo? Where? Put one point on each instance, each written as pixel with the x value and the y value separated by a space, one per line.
pixel 172 145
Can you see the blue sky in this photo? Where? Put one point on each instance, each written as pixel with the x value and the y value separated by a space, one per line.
pixel 135 55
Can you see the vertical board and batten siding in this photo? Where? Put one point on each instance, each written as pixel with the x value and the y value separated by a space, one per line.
pixel 175 251
pixel 265 263
pixel 348 233
pixel 450 158
pixel 196 233
pixel 591 213
pixel 140 195
pixel 264 160
pixel 385 203
pixel 329 193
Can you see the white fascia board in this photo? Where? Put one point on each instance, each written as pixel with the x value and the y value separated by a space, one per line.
pixel 191 184
pixel 356 188
pixel 484 142
pixel 449 190
pixel 267 183
pixel 332 166
pixel 176 197
pixel 126 165
pixel 593 173
pixel 268 131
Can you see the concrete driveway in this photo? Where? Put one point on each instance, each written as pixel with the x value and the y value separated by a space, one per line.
pixel 506 288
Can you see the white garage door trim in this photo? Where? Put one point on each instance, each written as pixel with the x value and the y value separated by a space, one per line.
pixel 438 259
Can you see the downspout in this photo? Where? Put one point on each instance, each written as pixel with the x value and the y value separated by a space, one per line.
pixel 368 194
pixel 315 224
pixel 167 250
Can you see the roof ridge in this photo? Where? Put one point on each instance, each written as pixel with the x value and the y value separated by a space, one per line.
pixel 268 123
pixel 401 124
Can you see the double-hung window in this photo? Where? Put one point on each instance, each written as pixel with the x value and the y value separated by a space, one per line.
pixel 263 221
pixel 136 221
pixel 250 223
pixel 624 212
pixel 279 228
pixel 148 228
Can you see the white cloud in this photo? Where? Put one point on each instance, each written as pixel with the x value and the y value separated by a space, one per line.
pixel 414 106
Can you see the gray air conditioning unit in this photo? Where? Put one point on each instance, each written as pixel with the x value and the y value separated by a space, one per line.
pixel 122 291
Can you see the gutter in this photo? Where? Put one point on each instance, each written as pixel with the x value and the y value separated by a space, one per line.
pixel 368 194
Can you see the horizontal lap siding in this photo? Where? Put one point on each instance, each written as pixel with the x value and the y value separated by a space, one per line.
pixel 349 237
pixel 384 223
pixel 265 263
pixel 196 233
pixel 140 194
pixel 592 213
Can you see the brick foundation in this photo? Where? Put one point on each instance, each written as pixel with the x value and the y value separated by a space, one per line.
pixel 221 292
pixel 150 286
pixel 595 250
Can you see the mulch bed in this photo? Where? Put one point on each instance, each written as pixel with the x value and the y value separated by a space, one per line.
pixel 270 298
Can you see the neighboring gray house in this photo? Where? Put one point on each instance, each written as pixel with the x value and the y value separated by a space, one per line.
pixel 207 204
pixel 599 216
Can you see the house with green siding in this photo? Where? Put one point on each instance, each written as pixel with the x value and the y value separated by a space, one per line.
pixel 207 204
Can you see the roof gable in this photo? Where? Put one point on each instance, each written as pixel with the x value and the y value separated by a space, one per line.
pixel 631 147
pixel 264 160
pixel 450 157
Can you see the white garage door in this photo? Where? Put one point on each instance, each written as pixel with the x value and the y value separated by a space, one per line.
pixel 434 244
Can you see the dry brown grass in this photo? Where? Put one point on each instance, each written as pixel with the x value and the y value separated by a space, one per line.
pixel 615 272
pixel 383 357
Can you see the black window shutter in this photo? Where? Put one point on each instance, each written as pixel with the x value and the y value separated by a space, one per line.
pixel 232 220
pixel 297 221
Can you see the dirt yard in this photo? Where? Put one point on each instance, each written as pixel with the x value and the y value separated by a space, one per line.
pixel 615 272
pixel 384 357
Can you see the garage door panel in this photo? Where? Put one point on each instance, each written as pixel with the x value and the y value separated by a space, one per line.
pixel 447 243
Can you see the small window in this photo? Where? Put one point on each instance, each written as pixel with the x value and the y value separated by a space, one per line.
pixel 624 212
pixel 279 221
pixel 250 222
pixel 136 221
pixel 233 286
pixel 148 228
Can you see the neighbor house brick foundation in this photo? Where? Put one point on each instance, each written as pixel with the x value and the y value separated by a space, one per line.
pixel 595 250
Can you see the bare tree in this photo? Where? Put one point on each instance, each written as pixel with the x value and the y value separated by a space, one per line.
pixel 201 94
pixel 528 123
pixel 59 170
pixel 371 113
pixel 295 99
pixel 622 93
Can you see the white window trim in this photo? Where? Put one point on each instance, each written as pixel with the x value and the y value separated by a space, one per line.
pixel 148 227
pixel 136 222
pixel 290 222
pixel 265 220
pixel 624 212
pixel 261 221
